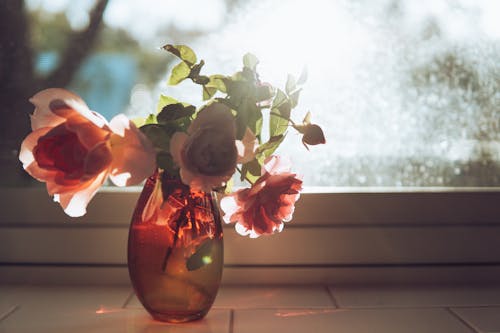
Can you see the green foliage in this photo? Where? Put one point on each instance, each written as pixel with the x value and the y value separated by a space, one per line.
pixel 164 101
pixel 268 148
pixel 183 52
pixel 243 92
pixel 179 73
pixel 280 114
pixel 250 61
pixel 251 171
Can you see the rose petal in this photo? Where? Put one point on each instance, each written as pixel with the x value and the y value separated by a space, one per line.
pixel 216 115
pixel 177 142
pixel 75 204
pixel 135 161
pixel 229 206
pixel 28 144
pixel 43 116
pixel 246 147
pixel 89 135
pixel 276 164
pixel 134 157
pixel 98 159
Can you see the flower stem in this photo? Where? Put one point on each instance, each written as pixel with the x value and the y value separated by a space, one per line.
pixel 168 253
pixel 278 115
pixel 246 178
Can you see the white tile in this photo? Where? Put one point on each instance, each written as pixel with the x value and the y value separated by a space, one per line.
pixel 67 297
pixel 39 306
pixel 108 320
pixel 417 296
pixel 483 319
pixel 347 321
pixel 273 297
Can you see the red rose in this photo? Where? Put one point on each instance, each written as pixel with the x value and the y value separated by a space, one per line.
pixel 263 208
pixel 74 149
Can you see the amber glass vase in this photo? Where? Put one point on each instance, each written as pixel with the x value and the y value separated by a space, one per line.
pixel 175 250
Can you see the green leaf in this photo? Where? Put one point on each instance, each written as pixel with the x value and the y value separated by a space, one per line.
pixel 164 101
pixel 165 161
pixel 291 84
pixel 140 121
pixel 194 74
pixel 278 121
pixel 196 69
pixel 201 79
pixel 217 81
pixel 251 170
pixel 303 77
pixel 268 148
pixel 202 256
pixel 180 72
pixel 294 98
pixel 279 99
pixel 173 112
pixel 208 92
pixel 250 61
pixel 263 93
pixel 249 115
pixel 158 136
pixel 185 53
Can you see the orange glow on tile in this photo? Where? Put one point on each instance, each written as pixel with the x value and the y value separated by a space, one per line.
pixel 103 310
pixel 304 313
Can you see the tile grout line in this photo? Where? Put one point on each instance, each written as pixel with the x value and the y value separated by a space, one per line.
pixel 231 321
pixel 332 297
pixel 460 319
pixel 128 299
pixel 9 312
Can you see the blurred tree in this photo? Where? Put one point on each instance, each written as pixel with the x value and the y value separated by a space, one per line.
pixel 18 79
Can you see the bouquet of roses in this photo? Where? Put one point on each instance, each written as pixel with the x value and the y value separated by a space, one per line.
pixel 74 150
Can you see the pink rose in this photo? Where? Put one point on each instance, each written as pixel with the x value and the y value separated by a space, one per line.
pixel 263 208
pixel 74 149
pixel 207 153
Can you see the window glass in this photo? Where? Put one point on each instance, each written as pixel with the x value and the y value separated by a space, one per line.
pixel 408 92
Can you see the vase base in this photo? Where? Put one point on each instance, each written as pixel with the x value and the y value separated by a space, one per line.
pixel 177 317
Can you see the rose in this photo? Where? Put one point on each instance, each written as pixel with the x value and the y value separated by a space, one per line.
pixel 312 133
pixel 263 208
pixel 74 149
pixel 207 153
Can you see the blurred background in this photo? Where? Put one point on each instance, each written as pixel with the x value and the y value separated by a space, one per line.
pixel 407 92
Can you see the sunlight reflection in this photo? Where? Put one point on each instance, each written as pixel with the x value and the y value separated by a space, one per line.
pixel 302 313
pixel 104 310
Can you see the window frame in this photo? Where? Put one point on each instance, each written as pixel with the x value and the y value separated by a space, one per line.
pixel 338 235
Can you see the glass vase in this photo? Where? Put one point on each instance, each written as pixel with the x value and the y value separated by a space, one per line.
pixel 175 250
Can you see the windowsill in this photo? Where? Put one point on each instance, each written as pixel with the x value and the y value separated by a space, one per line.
pixel 362 235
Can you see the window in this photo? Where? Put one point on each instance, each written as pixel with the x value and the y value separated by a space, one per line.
pixel 408 91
